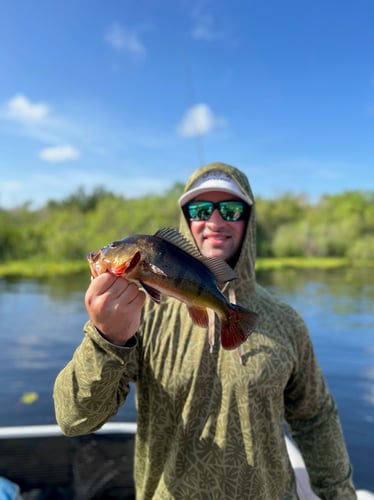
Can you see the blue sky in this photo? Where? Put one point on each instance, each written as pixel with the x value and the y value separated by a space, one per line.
pixel 134 95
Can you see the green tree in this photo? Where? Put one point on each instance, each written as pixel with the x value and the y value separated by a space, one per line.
pixel 337 225
pixel 272 214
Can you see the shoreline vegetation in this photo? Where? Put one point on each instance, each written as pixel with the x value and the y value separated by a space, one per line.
pixel 43 269
pixel 335 232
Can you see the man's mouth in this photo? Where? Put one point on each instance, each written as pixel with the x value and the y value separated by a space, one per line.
pixel 218 237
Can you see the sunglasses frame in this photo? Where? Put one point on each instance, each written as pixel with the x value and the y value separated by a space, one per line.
pixel 216 205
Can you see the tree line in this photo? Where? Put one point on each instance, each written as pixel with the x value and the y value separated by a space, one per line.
pixel 340 225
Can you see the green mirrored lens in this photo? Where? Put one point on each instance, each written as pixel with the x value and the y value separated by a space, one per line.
pixel 231 210
pixel 200 210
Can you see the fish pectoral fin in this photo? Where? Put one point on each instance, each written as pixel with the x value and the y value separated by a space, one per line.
pixel 199 315
pixel 152 292
pixel 157 270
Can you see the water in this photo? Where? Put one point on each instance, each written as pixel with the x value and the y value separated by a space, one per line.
pixel 41 325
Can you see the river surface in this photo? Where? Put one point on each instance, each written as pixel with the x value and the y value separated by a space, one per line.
pixel 41 325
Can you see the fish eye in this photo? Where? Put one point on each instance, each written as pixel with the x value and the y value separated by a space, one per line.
pixel 110 246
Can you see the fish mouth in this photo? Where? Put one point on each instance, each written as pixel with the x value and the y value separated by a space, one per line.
pixel 99 264
pixel 92 258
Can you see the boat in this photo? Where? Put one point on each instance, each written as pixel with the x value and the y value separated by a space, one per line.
pixel 40 463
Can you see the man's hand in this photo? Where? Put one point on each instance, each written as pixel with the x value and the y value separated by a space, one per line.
pixel 114 306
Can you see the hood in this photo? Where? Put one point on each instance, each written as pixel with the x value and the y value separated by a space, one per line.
pixel 245 266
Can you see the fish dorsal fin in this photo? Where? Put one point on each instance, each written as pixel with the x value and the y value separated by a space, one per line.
pixel 176 238
pixel 221 270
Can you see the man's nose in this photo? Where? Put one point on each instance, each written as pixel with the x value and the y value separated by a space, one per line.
pixel 216 217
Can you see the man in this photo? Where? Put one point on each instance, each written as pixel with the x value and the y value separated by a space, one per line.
pixel 208 426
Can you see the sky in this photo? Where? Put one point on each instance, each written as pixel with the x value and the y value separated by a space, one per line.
pixel 134 95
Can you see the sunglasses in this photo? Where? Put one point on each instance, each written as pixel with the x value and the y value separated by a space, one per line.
pixel 230 210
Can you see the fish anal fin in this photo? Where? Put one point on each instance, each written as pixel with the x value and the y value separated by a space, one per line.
pixel 152 292
pixel 199 315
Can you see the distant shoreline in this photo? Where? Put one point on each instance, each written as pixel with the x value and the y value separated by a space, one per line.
pixel 36 269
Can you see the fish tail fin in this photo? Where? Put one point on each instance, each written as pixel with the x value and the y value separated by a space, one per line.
pixel 237 326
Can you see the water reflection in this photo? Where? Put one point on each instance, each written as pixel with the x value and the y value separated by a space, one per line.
pixel 347 290
pixel 369 396
pixel 56 287
pixel 42 320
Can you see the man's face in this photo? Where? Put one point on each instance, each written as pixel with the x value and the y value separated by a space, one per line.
pixel 217 237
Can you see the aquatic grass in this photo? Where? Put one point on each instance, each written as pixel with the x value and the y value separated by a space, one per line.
pixel 268 264
pixel 41 269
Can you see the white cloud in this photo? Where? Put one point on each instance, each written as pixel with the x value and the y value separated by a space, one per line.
pixel 20 108
pixel 199 120
pixel 124 40
pixel 59 153
pixel 36 120
pixel 204 26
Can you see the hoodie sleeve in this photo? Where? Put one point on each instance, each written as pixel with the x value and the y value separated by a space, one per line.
pixel 94 384
pixel 314 424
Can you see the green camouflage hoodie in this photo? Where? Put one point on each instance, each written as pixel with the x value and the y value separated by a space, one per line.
pixel 210 427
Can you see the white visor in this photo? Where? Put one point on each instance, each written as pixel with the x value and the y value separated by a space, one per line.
pixel 215 180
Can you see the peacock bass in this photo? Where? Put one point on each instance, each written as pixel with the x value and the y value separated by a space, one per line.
pixel 166 263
